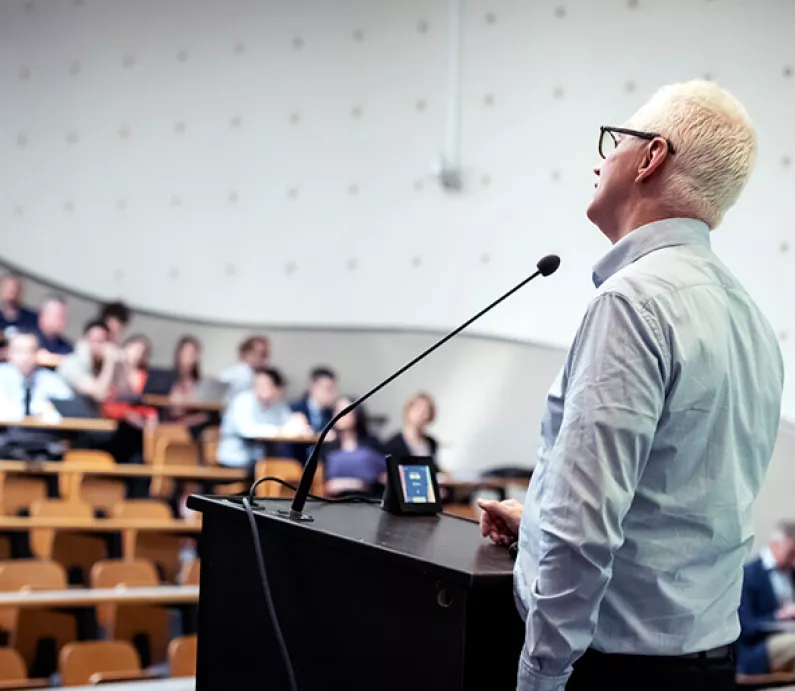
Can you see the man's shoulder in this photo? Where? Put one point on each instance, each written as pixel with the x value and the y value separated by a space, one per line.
pixel 49 377
pixel 670 270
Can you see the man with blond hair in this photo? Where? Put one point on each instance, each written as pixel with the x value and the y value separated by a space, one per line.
pixel 659 429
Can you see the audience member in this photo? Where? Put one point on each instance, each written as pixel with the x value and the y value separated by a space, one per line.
pixel 51 327
pixel 353 462
pixel 253 353
pixel 187 378
pixel 768 604
pixel 418 412
pixel 317 404
pixel 12 312
pixel 27 390
pixel 260 412
pixel 97 367
pixel 127 445
pixel 116 316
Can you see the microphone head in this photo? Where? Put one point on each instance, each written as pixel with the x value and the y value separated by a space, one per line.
pixel 548 265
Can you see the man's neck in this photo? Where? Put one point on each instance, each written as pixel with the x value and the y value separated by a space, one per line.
pixel 640 213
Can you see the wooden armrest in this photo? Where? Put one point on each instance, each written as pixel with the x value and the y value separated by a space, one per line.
pixel 25 684
pixel 112 677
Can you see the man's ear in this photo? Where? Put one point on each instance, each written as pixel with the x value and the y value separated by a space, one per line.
pixel 654 156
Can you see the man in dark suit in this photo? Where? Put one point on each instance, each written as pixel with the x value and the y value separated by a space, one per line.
pixel 767 608
pixel 316 405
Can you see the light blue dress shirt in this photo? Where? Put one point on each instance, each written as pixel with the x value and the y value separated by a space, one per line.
pixel 655 441
pixel 45 385
pixel 246 418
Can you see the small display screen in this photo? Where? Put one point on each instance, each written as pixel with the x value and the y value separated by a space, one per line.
pixel 417 484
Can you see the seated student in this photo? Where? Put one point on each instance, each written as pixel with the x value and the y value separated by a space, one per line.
pixel 26 390
pixel 97 367
pixel 116 316
pixel 418 412
pixel 260 412
pixel 353 462
pixel 137 353
pixel 133 417
pixel 253 353
pixel 50 330
pixel 187 379
pixel 317 404
pixel 12 312
pixel 768 600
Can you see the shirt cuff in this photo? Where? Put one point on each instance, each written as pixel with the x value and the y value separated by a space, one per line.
pixel 530 679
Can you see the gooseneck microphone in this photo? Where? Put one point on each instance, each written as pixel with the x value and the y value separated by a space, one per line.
pixel 545 267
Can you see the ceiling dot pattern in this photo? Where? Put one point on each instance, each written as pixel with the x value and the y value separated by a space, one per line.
pixel 259 144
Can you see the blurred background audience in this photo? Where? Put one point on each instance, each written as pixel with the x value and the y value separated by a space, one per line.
pixel 253 353
pixel 354 462
pixel 51 329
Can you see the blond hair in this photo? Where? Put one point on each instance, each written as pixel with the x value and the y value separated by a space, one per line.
pixel 715 145
pixel 420 396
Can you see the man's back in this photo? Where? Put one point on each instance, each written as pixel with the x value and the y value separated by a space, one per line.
pixel 661 426
pixel 691 516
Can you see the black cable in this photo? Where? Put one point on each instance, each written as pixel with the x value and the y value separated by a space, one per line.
pixel 266 589
pixel 328 500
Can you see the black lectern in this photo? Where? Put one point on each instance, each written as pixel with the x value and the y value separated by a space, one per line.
pixel 366 600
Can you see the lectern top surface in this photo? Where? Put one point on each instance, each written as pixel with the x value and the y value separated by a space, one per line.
pixel 446 543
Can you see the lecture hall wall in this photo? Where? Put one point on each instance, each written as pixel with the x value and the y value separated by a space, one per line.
pixel 273 164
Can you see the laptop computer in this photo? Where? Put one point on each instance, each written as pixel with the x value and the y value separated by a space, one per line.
pixel 159 382
pixel 210 391
pixel 79 407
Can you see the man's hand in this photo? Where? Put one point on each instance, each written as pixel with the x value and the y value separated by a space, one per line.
pixel 500 520
pixel 787 612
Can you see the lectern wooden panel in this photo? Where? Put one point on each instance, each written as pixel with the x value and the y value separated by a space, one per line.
pixel 366 600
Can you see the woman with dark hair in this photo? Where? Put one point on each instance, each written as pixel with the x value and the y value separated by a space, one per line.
pixel 187 377
pixel 127 444
pixel 353 462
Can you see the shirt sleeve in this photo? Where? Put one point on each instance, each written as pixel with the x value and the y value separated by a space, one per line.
pixel 57 388
pixel 615 390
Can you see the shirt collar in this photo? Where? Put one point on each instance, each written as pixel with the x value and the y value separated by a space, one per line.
pixel 653 236
pixel 768 561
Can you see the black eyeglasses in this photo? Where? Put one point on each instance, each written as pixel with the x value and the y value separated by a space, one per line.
pixel 608 140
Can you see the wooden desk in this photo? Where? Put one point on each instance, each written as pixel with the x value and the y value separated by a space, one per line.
pixel 128 527
pixel 67 424
pixel 168 402
pixel 99 525
pixel 184 684
pixel 122 470
pixel 308 439
pixel 88 597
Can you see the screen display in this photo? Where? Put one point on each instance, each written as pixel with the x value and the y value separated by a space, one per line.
pixel 417 484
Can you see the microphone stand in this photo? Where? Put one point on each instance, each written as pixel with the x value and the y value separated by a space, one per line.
pixel 546 266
